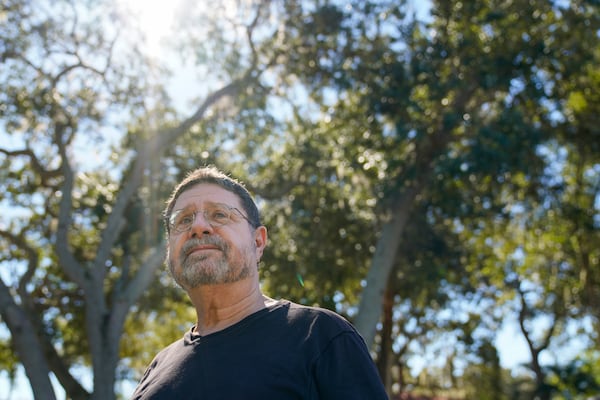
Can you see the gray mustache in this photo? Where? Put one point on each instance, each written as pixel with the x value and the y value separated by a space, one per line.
pixel 194 242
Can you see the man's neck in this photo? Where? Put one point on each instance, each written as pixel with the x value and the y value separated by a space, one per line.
pixel 221 306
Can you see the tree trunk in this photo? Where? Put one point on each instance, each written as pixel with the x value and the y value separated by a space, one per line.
pixel 400 205
pixel 384 361
pixel 105 327
pixel 27 345
pixel 104 374
pixel 369 309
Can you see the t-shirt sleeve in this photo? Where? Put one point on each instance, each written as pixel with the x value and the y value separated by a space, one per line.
pixel 346 371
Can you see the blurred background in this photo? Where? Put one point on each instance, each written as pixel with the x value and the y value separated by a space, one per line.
pixel 428 169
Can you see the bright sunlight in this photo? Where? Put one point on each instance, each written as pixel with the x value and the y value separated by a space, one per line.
pixel 154 18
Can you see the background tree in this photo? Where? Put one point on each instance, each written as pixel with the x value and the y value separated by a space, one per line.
pixel 81 246
pixel 487 138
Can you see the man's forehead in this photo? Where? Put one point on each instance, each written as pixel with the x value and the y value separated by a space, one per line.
pixel 206 192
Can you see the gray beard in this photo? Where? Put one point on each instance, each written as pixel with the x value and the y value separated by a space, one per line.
pixel 203 269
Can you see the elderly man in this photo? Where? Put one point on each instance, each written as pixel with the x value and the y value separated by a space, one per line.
pixel 244 344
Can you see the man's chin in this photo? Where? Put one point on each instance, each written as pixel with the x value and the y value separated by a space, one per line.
pixel 196 257
pixel 199 274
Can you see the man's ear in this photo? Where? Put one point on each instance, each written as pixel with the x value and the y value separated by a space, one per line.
pixel 260 240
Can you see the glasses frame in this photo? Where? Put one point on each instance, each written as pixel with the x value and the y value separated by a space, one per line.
pixel 194 214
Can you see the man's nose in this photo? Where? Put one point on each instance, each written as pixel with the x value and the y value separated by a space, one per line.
pixel 201 226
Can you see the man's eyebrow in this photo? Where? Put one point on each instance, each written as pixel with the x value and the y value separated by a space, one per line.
pixel 186 208
pixel 206 203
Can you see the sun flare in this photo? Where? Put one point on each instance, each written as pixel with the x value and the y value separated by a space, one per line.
pixel 153 18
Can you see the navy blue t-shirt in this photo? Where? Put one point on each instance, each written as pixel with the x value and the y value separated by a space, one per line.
pixel 286 351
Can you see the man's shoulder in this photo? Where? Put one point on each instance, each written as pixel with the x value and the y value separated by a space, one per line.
pixel 311 310
pixel 315 316
pixel 174 348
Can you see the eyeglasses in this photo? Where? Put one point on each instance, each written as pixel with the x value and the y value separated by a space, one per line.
pixel 216 214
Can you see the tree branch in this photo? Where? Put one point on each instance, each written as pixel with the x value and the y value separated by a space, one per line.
pixel 68 262
pixel 36 165
pixel 147 151
pixel 32 258
pixel 144 276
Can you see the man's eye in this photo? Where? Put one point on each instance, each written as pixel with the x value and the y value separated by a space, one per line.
pixel 185 220
pixel 219 215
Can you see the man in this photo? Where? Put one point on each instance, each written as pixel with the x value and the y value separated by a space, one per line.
pixel 245 345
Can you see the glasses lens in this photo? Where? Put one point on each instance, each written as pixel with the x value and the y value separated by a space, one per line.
pixel 182 220
pixel 218 214
pixel 215 214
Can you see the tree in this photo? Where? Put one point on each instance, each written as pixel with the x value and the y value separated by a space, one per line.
pixel 82 246
pixel 456 111
pixel 463 114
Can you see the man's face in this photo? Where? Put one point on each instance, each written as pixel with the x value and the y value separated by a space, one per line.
pixel 207 254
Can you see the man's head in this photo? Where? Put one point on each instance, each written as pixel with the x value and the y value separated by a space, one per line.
pixel 213 175
pixel 214 231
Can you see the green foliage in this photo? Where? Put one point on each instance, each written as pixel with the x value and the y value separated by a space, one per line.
pixel 162 316
pixel 61 92
pixel 486 379
pixel 576 379
pixel 8 361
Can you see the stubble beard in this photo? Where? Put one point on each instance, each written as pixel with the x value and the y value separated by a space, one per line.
pixel 220 266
